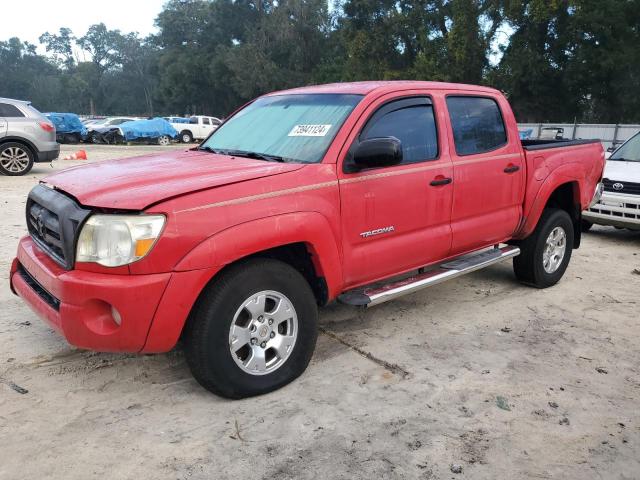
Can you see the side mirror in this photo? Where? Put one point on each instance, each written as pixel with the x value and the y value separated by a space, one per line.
pixel 376 152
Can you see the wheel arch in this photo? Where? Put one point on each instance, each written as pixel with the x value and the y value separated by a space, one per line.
pixel 22 141
pixel 562 189
pixel 299 238
pixel 303 240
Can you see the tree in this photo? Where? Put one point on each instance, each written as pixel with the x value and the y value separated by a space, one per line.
pixel 60 46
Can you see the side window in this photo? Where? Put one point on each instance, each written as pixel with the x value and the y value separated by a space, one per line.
pixel 477 124
pixel 193 120
pixel 413 124
pixel 206 121
pixel 9 111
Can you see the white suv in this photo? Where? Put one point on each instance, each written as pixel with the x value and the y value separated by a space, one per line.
pixel 620 202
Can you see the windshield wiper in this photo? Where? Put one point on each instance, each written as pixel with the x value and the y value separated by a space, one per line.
pixel 622 159
pixel 244 153
pixel 208 149
pixel 256 155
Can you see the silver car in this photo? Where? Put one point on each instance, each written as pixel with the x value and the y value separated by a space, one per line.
pixel 26 136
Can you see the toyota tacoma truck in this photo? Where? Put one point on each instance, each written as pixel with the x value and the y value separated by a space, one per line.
pixel 355 192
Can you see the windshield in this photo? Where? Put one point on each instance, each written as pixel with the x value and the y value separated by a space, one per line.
pixel 296 128
pixel 629 152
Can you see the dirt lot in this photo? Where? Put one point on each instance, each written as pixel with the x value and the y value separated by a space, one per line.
pixel 480 373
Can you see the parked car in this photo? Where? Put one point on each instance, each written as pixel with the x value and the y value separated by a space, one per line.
pixel 356 192
pixel 26 136
pixel 620 202
pixel 199 127
pixel 69 127
pixel 102 131
pixel 153 130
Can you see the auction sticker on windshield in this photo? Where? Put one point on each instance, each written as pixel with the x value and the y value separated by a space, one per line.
pixel 309 130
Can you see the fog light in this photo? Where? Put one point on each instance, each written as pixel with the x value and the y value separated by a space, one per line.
pixel 116 316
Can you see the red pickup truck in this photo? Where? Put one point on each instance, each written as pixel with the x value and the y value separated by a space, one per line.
pixel 356 192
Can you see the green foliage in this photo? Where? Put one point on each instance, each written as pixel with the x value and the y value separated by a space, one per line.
pixel 556 59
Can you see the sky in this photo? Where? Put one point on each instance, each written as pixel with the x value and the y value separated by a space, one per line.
pixel 28 19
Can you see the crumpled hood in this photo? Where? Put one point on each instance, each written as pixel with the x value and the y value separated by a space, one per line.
pixel 135 183
pixel 619 171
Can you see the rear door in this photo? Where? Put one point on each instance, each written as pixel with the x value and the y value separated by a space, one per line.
pixel 393 218
pixel 488 173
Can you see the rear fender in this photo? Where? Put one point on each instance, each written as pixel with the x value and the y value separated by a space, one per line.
pixel 573 173
pixel 240 241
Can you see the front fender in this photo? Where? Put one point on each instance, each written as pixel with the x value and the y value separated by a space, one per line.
pixel 239 241
pixel 573 173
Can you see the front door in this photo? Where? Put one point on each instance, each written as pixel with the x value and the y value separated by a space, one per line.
pixel 488 174
pixel 397 218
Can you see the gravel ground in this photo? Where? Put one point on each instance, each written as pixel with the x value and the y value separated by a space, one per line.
pixel 477 378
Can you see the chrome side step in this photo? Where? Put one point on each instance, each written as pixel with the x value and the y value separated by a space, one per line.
pixel 370 296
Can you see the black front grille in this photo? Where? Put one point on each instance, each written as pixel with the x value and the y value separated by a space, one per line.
pixel 629 188
pixel 44 226
pixel 52 301
pixel 53 220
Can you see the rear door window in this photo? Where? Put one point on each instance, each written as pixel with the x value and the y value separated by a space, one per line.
pixel 10 111
pixel 477 124
pixel 206 121
pixel 411 121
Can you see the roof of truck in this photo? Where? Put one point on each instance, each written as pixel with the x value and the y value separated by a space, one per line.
pixel 363 88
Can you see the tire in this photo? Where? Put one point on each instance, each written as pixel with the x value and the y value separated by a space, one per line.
pixel 585 226
pixel 209 338
pixel 15 159
pixel 532 267
pixel 164 140
pixel 186 136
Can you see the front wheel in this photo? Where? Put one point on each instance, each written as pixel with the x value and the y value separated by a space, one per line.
pixel 15 159
pixel 164 140
pixel 545 254
pixel 253 330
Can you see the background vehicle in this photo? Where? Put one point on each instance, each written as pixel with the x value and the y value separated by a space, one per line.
pixel 554 133
pixel 98 131
pixel 620 202
pixel 198 128
pixel 26 136
pixel 155 130
pixel 69 127
pixel 358 192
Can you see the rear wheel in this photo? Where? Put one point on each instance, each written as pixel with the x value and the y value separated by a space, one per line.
pixel 15 159
pixel 253 330
pixel 545 254
pixel 164 140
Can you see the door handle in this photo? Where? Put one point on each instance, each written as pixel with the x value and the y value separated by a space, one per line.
pixel 511 169
pixel 440 181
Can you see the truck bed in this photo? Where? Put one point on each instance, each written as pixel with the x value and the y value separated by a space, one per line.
pixel 544 144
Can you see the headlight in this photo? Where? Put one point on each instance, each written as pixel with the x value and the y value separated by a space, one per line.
pixel 114 240
pixel 597 195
